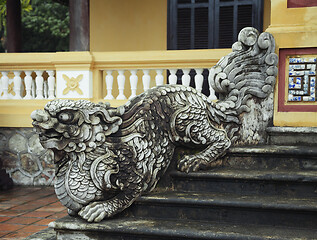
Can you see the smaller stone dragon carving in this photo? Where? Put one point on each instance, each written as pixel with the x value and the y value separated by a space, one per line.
pixel 106 157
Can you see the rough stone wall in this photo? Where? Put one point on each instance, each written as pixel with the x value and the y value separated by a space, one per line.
pixel 23 157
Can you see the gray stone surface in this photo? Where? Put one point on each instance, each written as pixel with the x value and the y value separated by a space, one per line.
pixel 24 158
pixel 17 143
pixel 150 229
pixel 246 73
pixel 255 122
pixel 46 234
pixel 292 135
pixel 34 145
pixel 272 157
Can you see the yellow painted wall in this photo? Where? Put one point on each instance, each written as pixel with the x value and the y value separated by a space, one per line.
pixel 136 25
pixel 128 25
pixel 293 28
pixel 266 14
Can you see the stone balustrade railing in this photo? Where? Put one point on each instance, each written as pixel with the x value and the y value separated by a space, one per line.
pixel 158 76
pixel 37 84
pixel 127 74
pixel 97 76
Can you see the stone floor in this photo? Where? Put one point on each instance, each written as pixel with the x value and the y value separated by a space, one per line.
pixel 26 210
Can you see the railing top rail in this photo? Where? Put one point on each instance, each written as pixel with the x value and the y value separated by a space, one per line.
pixel 158 59
pixel 26 61
pixel 112 60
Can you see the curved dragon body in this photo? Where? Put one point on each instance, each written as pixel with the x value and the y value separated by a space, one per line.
pixel 106 157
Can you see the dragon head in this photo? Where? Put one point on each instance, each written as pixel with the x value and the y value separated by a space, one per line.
pixel 68 126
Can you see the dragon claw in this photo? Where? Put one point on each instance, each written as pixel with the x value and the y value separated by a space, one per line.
pixel 190 164
pixel 93 212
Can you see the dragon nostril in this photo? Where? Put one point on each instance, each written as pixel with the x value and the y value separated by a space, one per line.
pixel 39 116
pixel 34 115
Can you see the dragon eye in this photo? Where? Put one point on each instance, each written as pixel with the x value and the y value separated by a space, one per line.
pixel 65 117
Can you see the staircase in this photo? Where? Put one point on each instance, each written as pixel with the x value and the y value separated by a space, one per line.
pixel 263 192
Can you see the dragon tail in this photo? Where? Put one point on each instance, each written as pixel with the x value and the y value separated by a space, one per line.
pixel 248 71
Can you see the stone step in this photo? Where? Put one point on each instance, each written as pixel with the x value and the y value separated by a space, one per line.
pixel 292 135
pixel 227 208
pixel 45 234
pixel 272 157
pixel 143 229
pixel 248 182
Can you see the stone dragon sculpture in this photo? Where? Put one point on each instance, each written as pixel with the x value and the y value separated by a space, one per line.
pixel 106 157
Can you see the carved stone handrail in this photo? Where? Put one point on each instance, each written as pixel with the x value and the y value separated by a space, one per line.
pixel 106 157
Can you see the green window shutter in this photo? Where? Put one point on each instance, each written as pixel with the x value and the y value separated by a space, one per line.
pixel 225 26
pixel 201 24
pixel 244 17
pixel 183 28
pixel 201 28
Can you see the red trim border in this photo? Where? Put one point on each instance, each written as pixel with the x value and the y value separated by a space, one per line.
pixel 301 3
pixel 283 53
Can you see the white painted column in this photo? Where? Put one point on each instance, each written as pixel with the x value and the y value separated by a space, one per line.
pixel 0 87
pixel 159 78
pixel 121 82
pixel 33 88
pixel 17 84
pixel 109 84
pixel 39 80
pixel 199 79
pixel 186 77
pixel 133 83
pixel 5 84
pixel 28 84
pixel 172 78
pixel 45 89
pixel 146 79
pixel 212 72
pixel 51 84
pixel 212 95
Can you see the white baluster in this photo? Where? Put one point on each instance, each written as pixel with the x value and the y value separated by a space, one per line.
pixel 133 83
pixel 159 78
pixel 109 83
pixel 172 78
pixel 5 84
pixel 17 84
pixel 121 82
pixel 186 77
pixel 33 88
pixel 0 87
pixel 146 79
pixel 212 95
pixel 39 80
pixel 28 84
pixel 45 89
pixel 51 84
pixel 199 79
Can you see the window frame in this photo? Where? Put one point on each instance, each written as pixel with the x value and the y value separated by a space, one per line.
pixel 213 17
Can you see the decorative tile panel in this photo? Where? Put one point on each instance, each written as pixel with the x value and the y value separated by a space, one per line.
pixel 302 79
pixel 74 84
